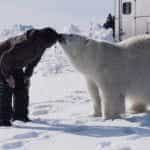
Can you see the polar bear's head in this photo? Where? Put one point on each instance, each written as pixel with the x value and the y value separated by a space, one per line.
pixel 73 44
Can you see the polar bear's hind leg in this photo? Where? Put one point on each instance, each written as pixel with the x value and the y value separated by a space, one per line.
pixel 113 103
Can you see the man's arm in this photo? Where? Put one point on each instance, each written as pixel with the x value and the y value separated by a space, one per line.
pixel 6 64
pixel 30 68
pixel 6 68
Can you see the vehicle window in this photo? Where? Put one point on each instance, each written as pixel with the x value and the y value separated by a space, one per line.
pixel 126 8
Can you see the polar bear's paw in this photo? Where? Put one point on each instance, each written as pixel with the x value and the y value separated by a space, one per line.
pixel 97 114
pixel 111 116
pixel 138 108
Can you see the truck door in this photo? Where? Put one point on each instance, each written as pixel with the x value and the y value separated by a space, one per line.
pixel 127 18
pixel 142 17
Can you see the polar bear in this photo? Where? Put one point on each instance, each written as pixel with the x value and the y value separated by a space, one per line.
pixel 114 71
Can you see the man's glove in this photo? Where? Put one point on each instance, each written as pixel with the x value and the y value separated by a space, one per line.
pixel 27 81
pixel 11 82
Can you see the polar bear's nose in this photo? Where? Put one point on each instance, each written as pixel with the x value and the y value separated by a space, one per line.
pixel 61 38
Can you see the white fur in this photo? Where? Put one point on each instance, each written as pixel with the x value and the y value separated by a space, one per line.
pixel 113 71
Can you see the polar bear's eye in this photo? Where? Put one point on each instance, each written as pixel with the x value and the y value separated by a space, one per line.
pixel 71 35
pixel 86 41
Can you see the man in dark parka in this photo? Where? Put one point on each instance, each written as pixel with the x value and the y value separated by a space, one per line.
pixel 18 57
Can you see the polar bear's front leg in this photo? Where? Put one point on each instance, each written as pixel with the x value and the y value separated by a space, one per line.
pixel 94 93
pixel 113 103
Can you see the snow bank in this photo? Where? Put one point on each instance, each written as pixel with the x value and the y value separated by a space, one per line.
pixel 14 30
pixel 93 31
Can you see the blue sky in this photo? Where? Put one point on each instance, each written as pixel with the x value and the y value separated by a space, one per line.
pixel 56 13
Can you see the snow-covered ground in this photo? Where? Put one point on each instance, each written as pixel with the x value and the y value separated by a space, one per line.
pixel 61 110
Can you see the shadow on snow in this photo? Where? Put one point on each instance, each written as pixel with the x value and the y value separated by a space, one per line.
pixel 92 131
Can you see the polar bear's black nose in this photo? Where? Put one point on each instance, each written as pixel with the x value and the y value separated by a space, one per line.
pixel 61 38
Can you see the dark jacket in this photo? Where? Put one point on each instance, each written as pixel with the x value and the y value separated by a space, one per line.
pixel 25 50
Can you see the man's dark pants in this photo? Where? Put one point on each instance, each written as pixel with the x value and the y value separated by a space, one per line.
pixel 5 101
pixel 20 96
pixel 18 108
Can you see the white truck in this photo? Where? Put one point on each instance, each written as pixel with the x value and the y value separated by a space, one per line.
pixel 132 17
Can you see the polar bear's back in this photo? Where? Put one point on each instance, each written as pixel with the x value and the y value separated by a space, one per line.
pixel 138 60
pixel 141 41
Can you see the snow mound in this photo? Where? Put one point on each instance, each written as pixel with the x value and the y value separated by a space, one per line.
pixel 14 30
pixel 97 32
pixel 74 29
pixel 93 31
